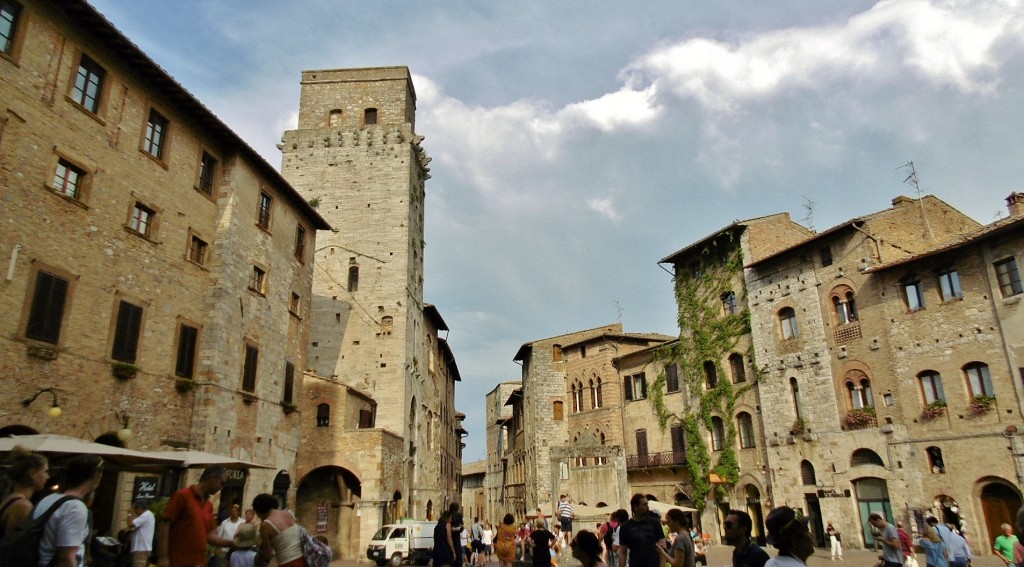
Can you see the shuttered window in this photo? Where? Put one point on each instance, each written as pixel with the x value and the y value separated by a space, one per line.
pixel 126 332
pixel 289 382
pixel 47 313
pixel 252 357
pixel 187 339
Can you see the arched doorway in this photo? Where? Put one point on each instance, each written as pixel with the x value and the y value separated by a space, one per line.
pixel 326 502
pixel 753 501
pixel 872 496
pixel 106 492
pixel 282 482
pixel 946 509
pixel 999 504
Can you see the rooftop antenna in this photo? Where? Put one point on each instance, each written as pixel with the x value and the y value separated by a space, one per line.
pixel 808 219
pixel 618 307
pixel 912 180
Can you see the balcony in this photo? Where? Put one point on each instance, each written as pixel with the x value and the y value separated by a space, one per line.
pixel 651 460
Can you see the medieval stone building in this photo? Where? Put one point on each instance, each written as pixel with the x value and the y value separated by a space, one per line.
pixel 357 156
pixel 158 272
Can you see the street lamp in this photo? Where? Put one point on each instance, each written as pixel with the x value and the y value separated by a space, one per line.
pixel 125 433
pixel 54 410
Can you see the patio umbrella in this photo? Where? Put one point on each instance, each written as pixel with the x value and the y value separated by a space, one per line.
pixel 662 507
pixel 191 458
pixel 52 444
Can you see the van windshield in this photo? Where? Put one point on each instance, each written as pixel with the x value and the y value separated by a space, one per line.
pixel 382 533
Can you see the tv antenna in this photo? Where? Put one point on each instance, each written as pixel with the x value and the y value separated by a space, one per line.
pixel 808 219
pixel 618 307
pixel 913 180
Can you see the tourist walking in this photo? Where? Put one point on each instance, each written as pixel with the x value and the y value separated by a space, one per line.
pixel 1004 544
pixel 65 533
pixel 541 541
pixel 934 551
pixel 739 527
pixel 29 472
pixel 486 542
pixel 505 541
pixel 445 549
pixel 565 514
pixel 280 536
pixel 889 539
pixel 906 545
pixel 835 538
pixel 640 535
pixel 787 531
pixel 586 548
pixel 188 521
pixel 959 551
pixel 681 553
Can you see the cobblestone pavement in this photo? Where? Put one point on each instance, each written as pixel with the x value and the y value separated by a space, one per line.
pixel 721 556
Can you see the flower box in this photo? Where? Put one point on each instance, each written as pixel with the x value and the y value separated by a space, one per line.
pixel 860 418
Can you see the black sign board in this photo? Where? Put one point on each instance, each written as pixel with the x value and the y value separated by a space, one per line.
pixel 236 477
pixel 146 488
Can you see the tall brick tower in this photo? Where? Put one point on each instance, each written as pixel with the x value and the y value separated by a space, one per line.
pixel 357 157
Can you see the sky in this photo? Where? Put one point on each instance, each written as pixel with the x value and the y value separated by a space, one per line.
pixel 575 143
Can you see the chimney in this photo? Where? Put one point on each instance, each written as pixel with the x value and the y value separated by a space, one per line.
pixel 902 200
pixel 1015 202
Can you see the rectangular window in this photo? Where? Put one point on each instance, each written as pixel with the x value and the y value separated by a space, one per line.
pixel 671 378
pixel 188 339
pixel 88 84
pixel 10 12
pixel 914 295
pixel 207 171
pixel 289 383
pixel 295 304
pixel 641 442
pixel 826 256
pixel 156 135
pixel 47 312
pixel 636 387
pixel 678 436
pixel 266 201
pixel 1009 277
pixel 197 250
pixel 300 243
pixel 258 281
pixel 126 332
pixel 366 418
pixel 141 221
pixel 252 358
pixel 68 179
pixel 949 285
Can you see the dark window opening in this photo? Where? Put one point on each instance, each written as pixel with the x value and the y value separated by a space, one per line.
pixel 47 313
pixel 126 332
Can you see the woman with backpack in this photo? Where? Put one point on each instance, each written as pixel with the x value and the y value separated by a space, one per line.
pixel 280 535
pixel 29 471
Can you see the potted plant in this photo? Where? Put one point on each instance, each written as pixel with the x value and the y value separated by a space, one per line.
pixel 934 410
pixel 860 418
pixel 123 370
pixel 981 405
pixel 289 407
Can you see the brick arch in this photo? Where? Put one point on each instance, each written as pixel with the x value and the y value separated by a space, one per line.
pixel 840 290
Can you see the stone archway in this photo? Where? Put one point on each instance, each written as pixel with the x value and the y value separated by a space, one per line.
pixel 326 501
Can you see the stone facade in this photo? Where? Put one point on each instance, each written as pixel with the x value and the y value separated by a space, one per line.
pixel 158 269
pixel 499 417
pixel 474 493
pixel 357 156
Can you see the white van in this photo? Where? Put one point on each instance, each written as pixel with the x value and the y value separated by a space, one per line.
pixel 408 540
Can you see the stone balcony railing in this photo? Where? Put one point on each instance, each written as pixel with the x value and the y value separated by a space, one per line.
pixel 650 460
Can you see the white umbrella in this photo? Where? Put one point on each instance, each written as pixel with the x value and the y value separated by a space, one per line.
pixel 51 444
pixel 191 458
pixel 661 507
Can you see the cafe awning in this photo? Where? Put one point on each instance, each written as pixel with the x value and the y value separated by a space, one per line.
pixel 52 444
pixel 190 458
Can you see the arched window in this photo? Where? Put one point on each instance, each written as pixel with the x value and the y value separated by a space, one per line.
pixel 794 390
pixel 370 116
pixel 575 397
pixel 593 394
pixel 807 473
pixel 602 460
pixel 931 386
pixel 710 374
pixel 858 386
pixel 323 415
pixel 787 320
pixel 979 380
pixel 353 279
pixel 729 304
pixel 865 457
pixel 935 462
pixel 598 396
pixel 717 434
pixel 745 425
pixel 739 373
pixel 844 305
pixel 913 293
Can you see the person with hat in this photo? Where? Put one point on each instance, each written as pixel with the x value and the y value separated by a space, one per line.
pixel 787 532
pixel 246 539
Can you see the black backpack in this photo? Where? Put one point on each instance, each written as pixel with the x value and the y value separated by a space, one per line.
pixel 20 546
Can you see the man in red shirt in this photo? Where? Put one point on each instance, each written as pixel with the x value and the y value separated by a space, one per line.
pixel 188 521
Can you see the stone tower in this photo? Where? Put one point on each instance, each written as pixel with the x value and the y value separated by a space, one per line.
pixel 357 158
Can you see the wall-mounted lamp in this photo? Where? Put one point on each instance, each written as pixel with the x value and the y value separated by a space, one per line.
pixel 54 410
pixel 125 433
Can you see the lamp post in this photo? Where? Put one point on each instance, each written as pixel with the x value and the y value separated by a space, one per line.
pixel 54 410
pixel 125 433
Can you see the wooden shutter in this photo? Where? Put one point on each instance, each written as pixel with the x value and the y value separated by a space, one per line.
pixel 187 337
pixel 641 442
pixel 126 332
pixel 252 355
pixel 678 439
pixel 642 378
pixel 289 382
pixel 47 311
pixel 628 388
pixel 671 378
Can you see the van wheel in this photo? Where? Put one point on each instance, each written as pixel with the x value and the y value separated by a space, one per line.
pixel 396 559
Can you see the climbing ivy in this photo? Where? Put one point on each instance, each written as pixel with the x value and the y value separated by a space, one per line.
pixel 707 333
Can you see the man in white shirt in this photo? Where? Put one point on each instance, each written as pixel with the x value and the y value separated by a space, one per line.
pixel 64 535
pixel 142 524
pixel 228 528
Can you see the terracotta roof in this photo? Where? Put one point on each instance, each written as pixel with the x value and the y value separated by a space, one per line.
pixel 627 336
pixel 959 241
pixel 735 224
pixel 475 467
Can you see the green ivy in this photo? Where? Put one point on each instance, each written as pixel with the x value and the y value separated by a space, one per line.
pixel 706 333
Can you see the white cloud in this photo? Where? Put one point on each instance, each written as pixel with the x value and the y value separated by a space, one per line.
pixel 948 43
pixel 625 107
pixel 604 207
